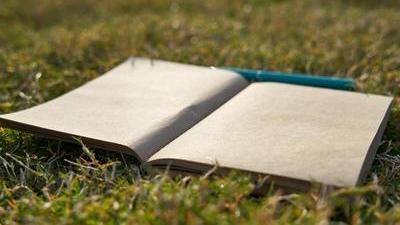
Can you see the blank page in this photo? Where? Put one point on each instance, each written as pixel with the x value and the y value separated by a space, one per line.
pixel 137 108
pixel 296 132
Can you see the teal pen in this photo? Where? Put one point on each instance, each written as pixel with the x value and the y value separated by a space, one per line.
pixel 296 78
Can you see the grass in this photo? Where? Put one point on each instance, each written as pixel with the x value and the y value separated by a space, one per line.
pixel 50 47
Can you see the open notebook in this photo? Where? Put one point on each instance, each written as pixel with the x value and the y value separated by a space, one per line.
pixel 190 117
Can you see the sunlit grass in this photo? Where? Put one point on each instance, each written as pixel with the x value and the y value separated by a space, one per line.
pixel 50 47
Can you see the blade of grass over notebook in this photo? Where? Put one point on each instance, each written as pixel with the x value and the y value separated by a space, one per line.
pixel 295 78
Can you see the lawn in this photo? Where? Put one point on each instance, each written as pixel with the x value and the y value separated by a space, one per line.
pixel 48 47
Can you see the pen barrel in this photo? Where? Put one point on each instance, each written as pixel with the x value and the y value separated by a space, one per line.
pixel 296 78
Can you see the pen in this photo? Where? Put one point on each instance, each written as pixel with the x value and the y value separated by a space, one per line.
pixel 296 78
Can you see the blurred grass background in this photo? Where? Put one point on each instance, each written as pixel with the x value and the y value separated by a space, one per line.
pixel 48 47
